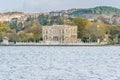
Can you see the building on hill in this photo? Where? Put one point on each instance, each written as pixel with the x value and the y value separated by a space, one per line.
pixel 9 17
pixel 59 34
pixel 57 13
pixel 114 20
pixel 66 13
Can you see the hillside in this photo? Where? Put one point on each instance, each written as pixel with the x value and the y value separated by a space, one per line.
pixel 97 11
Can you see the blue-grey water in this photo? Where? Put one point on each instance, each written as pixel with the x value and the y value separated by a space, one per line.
pixel 59 63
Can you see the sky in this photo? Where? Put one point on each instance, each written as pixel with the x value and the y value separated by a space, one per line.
pixel 52 5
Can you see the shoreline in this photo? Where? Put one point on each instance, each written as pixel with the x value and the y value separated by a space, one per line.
pixel 63 44
pixel 59 45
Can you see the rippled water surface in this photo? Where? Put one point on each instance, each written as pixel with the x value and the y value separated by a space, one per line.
pixel 59 63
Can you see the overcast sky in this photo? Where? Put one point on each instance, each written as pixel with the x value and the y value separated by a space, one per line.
pixel 52 5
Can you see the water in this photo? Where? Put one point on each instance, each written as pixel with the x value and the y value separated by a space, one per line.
pixel 59 63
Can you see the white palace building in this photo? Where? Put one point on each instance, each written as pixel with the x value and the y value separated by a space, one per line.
pixel 59 34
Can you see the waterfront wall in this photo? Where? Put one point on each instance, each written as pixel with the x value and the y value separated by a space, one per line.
pixel 41 43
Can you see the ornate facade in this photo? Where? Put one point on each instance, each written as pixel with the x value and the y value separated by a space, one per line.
pixel 59 34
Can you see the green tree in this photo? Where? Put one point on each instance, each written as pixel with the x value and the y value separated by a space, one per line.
pixel 15 24
pixel 28 22
pixel 36 29
pixel 82 24
pixel 4 28
pixel 43 20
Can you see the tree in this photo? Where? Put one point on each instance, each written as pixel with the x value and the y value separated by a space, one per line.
pixel 43 20
pixel 12 35
pixel 69 23
pixel 4 28
pixel 97 31
pixel 15 24
pixel 82 24
pixel 114 32
pixel 36 29
pixel 56 20
pixel 28 22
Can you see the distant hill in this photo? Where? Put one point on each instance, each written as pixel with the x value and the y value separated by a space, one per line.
pixel 11 13
pixel 95 12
